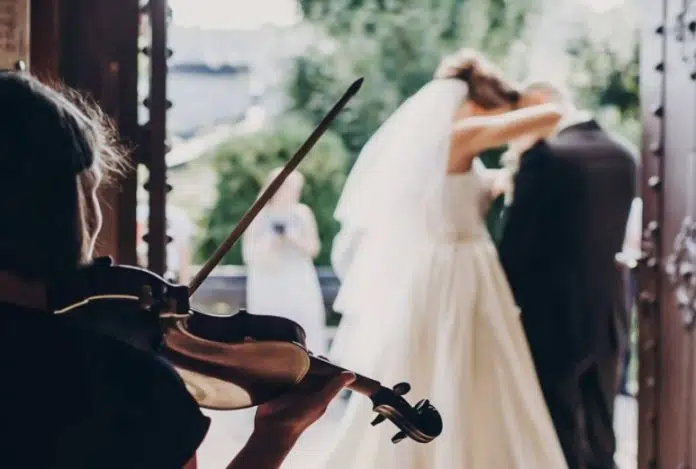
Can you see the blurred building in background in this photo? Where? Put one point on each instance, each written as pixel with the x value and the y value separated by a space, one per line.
pixel 216 75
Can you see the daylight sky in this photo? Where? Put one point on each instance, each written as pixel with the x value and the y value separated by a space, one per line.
pixel 251 14
pixel 600 6
pixel 234 14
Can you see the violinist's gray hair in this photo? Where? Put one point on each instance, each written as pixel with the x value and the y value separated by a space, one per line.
pixel 56 147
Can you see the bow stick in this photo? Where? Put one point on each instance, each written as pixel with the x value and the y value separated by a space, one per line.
pixel 272 188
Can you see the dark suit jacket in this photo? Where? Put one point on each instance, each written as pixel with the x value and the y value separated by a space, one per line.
pixel 567 220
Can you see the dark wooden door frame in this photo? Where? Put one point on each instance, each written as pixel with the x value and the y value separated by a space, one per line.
pixel 667 410
pixel 154 135
pixel 92 46
pixel 652 110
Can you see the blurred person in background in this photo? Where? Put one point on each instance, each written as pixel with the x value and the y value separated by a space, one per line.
pixel 571 198
pixel 626 260
pixel 279 249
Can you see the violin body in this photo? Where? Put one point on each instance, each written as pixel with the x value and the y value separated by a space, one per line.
pixel 237 361
pixel 242 360
pixel 227 362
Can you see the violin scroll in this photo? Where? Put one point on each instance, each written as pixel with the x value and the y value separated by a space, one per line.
pixel 422 422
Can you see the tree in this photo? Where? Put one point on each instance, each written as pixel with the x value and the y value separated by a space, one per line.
pixel 243 163
pixel 396 45
pixel 605 68
pixel 609 83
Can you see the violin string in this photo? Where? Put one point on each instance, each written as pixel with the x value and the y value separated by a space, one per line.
pixel 272 188
pixel 94 298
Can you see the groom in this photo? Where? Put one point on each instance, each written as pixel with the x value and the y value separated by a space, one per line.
pixel 566 221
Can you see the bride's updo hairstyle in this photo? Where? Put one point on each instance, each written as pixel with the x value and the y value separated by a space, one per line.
pixel 487 88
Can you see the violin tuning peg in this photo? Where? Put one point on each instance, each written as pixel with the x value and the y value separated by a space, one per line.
pixel 379 419
pixel 398 437
pixel 401 389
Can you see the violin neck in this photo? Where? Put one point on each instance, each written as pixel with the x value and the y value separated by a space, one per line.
pixel 362 384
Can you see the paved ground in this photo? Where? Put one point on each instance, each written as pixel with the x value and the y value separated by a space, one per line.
pixel 626 425
pixel 229 430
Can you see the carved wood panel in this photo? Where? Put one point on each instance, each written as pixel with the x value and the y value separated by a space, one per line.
pixel 667 423
pixel 679 243
pixel 14 32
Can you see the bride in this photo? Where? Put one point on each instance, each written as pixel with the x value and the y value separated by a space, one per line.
pixel 424 297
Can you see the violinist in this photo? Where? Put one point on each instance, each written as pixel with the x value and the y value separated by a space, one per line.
pixel 69 398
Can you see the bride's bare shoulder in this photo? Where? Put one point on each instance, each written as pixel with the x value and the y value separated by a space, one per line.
pixel 461 153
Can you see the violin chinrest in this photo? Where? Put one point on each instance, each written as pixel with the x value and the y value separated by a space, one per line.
pixel 120 320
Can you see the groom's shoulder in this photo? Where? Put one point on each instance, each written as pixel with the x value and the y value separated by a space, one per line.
pixel 539 149
pixel 538 155
pixel 596 142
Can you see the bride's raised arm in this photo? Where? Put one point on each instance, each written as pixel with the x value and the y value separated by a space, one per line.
pixel 472 135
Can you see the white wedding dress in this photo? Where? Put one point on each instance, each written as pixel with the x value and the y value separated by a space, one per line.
pixel 425 300
pixel 455 335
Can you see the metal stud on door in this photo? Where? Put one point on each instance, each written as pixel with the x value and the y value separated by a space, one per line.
pixel 154 134
pixel 653 68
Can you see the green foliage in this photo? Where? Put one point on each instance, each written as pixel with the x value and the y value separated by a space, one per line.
pixel 605 70
pixel 396 45
pixel 243 163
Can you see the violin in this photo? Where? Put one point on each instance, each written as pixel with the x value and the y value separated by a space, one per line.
pixel 226 362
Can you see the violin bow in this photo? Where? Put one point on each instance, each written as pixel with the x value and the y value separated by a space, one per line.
pixel 272 188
